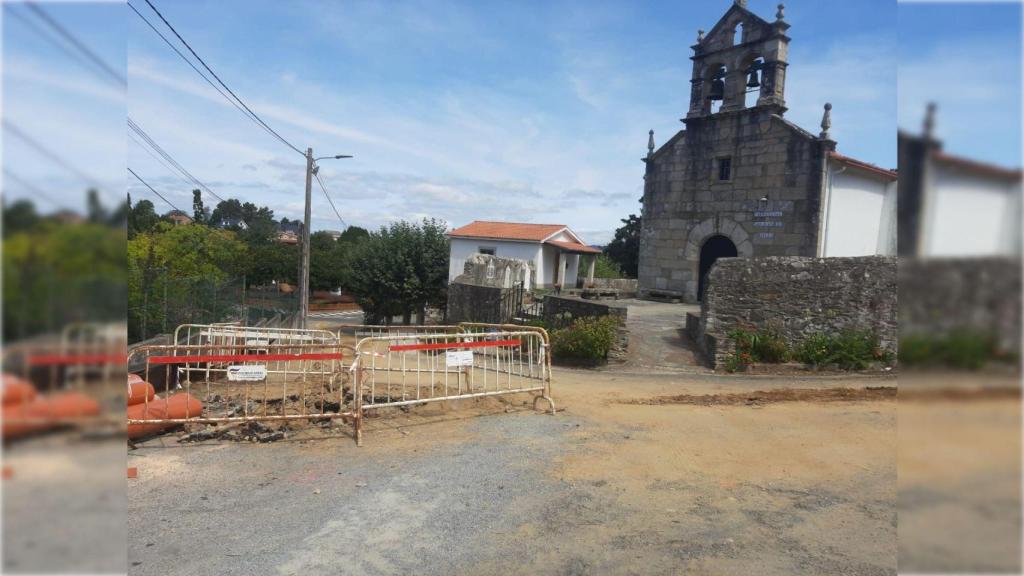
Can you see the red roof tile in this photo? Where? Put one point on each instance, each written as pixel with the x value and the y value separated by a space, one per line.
pixel 1012 174
pixel 889 174
pixel 574 247
pixel 507 230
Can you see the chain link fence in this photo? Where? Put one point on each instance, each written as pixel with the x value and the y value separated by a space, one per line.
pixel 157 304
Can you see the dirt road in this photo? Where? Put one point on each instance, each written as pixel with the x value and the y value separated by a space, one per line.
pixel 608 486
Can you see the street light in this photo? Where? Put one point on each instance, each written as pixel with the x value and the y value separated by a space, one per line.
pixel 311 169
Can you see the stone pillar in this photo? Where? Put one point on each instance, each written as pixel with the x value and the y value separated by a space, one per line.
pixel 560 273
pixel 734 86
pixel 590 269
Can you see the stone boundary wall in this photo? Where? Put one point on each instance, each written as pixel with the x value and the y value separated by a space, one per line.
pixel 798 296
pixel 472 303
pixel 627 286
pixel 983 295
pixel 580 308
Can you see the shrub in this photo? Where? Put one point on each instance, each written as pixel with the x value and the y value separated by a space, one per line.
pixel 586 340
pixel 764 346
pixel 848 350
pixel 964 349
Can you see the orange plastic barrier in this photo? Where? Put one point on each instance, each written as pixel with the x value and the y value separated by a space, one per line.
pixel 177 406
pixel 46 412
pixel 132 378
pixel 17 390
pixel 139 392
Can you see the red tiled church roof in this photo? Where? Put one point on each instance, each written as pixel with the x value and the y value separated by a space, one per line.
pixel 888 174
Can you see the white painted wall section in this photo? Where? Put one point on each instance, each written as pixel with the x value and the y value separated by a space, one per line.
pixel 463 248
pixel 860 213
pixel 969 215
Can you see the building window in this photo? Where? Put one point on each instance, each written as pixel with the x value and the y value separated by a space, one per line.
pixel 488 251
pixel 724 169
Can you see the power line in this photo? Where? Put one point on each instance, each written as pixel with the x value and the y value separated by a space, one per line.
pixel 159 150
pixel 154 191
pixel 32 142
pixel 158 159
pixel 326 195
pixel 187 61
pixel 252 114
pixel 49 37
pixel 80 46
pixel 30 187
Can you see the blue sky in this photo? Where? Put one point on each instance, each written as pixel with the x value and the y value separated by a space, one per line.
pixel 966 57
pixel 532 111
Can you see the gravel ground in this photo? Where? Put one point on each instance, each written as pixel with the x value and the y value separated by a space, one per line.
pixel 338 509
pixel 488 487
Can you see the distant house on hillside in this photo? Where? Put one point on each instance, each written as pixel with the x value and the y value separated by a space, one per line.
pixel 553 249
pixel 178 217
pixel 288 232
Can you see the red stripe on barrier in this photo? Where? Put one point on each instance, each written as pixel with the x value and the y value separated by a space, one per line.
pixel 60 359
pixel 242 358
pixel 453 345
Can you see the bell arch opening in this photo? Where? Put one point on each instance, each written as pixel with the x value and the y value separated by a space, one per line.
pixel 715 247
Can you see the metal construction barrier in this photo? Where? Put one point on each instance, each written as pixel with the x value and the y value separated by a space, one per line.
pixel 232 334
pixel 64 381
pixel 407 369
pixel 236 383
pixel 360 331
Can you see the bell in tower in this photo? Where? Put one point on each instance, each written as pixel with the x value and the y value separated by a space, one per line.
pixel 752 80
pixel 718 85
pixel 739 70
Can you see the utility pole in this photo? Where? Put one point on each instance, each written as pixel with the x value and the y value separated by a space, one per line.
pixel 311 169
pixel 304 275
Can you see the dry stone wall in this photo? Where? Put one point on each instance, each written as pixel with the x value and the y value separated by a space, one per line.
pixel 797 296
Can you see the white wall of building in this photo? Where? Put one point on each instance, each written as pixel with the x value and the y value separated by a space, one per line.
pixel 463 248
pixel 859 213
pixel 970 215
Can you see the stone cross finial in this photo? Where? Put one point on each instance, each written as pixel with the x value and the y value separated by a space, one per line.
pixel 929 121
pixel 650 143
pixel 740 3
pixel 826 121
pixel 700 36
pixel 781 13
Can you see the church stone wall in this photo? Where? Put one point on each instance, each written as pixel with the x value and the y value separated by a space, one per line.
pixel 797 297
pixel 685 203
pixel 940 296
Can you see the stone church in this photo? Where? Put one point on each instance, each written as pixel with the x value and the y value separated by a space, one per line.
pixel 741 180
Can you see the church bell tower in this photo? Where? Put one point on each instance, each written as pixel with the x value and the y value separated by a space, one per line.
pixel 740 63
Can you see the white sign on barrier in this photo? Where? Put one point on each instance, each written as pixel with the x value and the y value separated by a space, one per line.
pixel 247 373
pixel 456 358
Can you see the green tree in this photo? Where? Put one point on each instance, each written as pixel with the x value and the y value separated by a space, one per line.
pixel 254 224
pixel 198 210
pixel 401 269
pixel 55 273
pixel 185 268
pixel 624 249
pixel 19 216
pixel 271 262
pixel 96 212
pixel 604 267
pixel 142 217
pixel 354 235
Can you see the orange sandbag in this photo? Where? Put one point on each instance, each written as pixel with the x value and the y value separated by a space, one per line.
pixel 17 390
pixel 139 391
pixel 132 378
pixel 46 412
pixel 177 406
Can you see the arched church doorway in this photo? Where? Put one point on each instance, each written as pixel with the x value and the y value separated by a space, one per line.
pixel 715 247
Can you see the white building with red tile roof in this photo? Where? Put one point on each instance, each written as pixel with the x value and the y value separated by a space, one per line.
pixel 553 249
